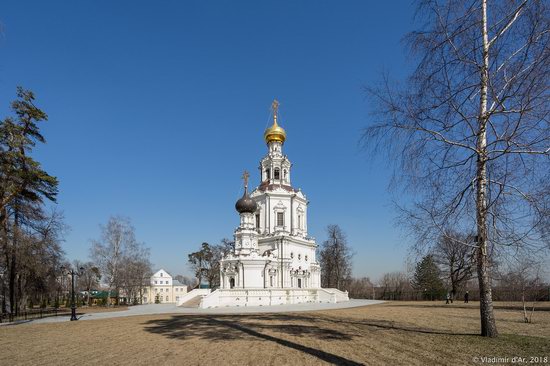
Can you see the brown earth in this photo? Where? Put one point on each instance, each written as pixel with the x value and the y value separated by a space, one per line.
pixel 396 333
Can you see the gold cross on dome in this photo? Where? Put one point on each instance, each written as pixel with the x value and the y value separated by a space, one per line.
pixel 275 107
pixel 245 178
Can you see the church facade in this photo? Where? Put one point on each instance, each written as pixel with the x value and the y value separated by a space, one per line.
pixel 274 259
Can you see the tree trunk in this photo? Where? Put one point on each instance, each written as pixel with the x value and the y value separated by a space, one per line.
pixel 13 266
pixel 454 291
pixel 88 295
pixel 525 318
pixel 11 285
pixel 488 325
pixel 6 253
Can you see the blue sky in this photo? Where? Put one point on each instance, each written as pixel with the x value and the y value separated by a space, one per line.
pixel 156 108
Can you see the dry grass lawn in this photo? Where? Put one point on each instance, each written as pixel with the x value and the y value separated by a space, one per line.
pixel 419 333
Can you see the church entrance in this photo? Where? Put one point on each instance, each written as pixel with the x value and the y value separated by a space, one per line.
pixel 232 282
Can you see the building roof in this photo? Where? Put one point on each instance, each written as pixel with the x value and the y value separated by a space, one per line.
pixel 163 270
pixel 102 294
pixel 245 203
pixel 177 283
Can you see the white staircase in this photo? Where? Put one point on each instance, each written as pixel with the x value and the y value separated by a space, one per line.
pixel 332 295
pixel 196 293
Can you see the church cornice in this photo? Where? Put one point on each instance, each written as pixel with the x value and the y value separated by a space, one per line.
pixel 266 186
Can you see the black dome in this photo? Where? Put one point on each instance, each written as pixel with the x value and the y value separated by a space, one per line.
pixel 246 204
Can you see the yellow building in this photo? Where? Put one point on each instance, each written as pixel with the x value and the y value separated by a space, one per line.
pixel 164 289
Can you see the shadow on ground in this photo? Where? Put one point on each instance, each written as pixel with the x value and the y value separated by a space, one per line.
pixel 277 328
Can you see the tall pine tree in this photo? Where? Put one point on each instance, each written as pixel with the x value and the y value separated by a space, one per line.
pixel 427 278
pixel 23 182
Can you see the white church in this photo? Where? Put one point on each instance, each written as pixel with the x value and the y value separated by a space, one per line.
pixel 274 259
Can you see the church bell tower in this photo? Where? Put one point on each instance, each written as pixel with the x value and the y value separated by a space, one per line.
pixel 246 236
pixel 275 167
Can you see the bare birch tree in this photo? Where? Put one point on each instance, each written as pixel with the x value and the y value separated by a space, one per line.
pixel 523 275
pixel 117 240
pixel 469 130
pixel 135 273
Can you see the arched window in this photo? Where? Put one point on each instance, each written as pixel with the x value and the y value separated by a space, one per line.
pixel 267 174
pixel 284 174
pixel 277 173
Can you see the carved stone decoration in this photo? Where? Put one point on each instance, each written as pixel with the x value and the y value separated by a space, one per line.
pixel 280 206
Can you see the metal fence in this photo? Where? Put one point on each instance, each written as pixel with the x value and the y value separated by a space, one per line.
pixel 33 314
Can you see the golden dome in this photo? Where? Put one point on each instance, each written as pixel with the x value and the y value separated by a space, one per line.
pixel 275 132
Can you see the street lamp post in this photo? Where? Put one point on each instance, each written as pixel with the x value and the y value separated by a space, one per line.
pixel 73 273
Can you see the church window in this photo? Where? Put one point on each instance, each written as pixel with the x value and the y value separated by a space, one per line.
pixel 299 256
pixel 291 255
pixel 280 219
pixel 267 174
pixel 277 173
pixel 284 174
pixel 305 258
pixel 299 221
pixel 257 221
